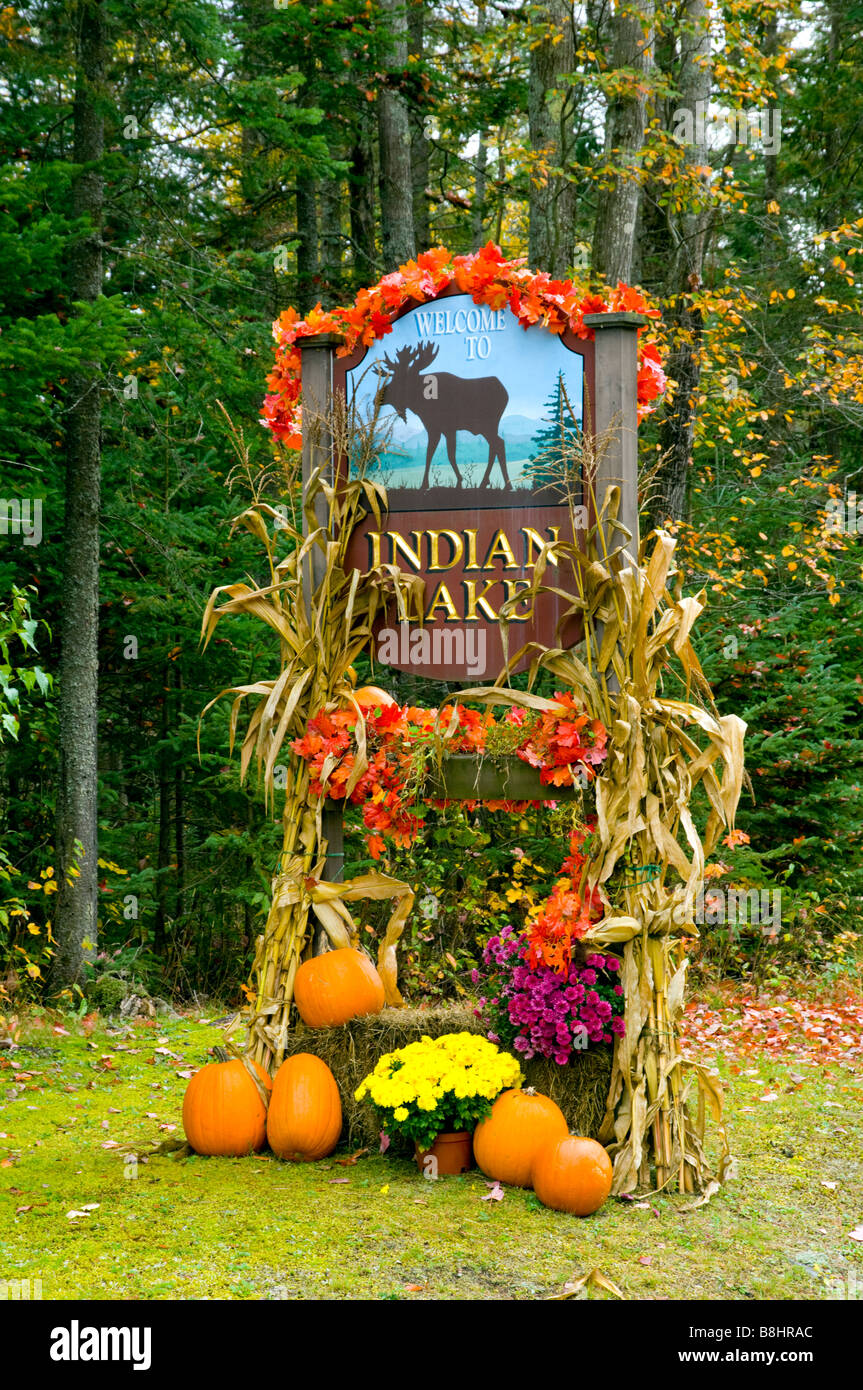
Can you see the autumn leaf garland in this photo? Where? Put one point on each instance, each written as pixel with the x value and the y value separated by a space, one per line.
pixel 563 743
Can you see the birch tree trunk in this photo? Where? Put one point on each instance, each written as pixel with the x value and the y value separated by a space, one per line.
pixel 618 203
pixel 550 102
pixel 75 920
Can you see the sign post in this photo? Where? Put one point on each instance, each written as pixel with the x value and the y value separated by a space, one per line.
pixel 615 411
pixel 318 358
pixel 481 421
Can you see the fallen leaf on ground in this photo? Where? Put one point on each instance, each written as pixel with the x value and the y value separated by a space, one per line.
pixel 351 1160
pixel 789 1023
pixel 595 1279
pixel 709 1192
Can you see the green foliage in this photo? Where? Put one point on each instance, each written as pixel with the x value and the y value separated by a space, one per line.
pixel 25 935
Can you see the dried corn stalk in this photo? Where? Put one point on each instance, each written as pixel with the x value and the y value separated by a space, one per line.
pixel 323 612
pixel 637 642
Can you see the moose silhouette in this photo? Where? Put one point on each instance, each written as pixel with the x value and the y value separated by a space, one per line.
pixel 445 404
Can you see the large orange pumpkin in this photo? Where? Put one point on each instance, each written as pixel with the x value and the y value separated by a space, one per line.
pixel 223 1113
pixel 372 697
pixel 572 1174
pixel 304 1120
pixel 337 986
pixel 507 1142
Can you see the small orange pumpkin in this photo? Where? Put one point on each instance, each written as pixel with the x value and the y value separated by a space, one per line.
pixel 506 1143
pixel 223 1113
pixel 572 1174
pixel 337 986
pixel 304 1120
pixel 372 697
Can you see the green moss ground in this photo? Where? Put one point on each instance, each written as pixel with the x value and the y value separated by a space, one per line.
pixel 256 1228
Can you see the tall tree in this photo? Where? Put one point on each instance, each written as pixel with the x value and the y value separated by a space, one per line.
pixel 686 322
pixel 420 151
pixel 397 205
pixel 77 815
pixel 619 194
pixel 550 102
pixel 361 186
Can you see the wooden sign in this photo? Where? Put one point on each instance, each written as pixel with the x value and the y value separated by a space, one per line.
pixel 471 410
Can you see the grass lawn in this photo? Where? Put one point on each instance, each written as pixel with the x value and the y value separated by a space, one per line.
pixel 255 1228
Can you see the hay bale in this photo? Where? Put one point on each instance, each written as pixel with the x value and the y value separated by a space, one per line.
pixel 352 1050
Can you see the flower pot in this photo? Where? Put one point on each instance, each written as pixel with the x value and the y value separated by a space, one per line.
pixel 466 777
pixel 452 1154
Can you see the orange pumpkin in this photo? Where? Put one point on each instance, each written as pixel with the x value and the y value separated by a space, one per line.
pixel 573 1175
pixel 337 986
pixel 506 1143
pixel 304 1120
pixel 372 697
pixel 223 1113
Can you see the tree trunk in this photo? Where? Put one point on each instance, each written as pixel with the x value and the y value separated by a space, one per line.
pixel 163 858
pixel 179 802
pixel 76 913
pixel 331 240
pixel 480 185
pixel 308 233
pixel 685 321
pixel 361 184
pixel 552 196
pixel 308 277
pixel 420 154
pixel 397 213
pixel 617 206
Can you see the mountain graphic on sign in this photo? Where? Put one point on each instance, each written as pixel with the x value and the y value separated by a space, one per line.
pixel 407 453
pixel 446 404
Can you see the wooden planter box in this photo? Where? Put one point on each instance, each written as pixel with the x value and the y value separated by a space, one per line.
pixel 464 777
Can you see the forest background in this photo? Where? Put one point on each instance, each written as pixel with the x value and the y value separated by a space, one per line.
pixel 173 175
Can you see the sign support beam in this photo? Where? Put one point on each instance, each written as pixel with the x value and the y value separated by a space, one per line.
pixel 318 359
pixel 615 411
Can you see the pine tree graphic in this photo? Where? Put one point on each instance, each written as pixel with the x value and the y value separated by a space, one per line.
pixel 553 446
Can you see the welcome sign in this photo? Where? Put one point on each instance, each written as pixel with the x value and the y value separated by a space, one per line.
pixel 468 400
pixel 479 419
